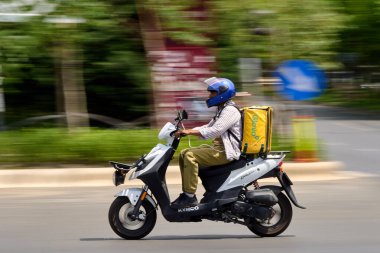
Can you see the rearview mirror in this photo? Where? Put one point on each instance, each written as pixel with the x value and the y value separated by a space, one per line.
pixel 182 115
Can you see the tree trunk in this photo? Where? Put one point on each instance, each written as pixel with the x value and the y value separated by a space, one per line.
pixel 70 90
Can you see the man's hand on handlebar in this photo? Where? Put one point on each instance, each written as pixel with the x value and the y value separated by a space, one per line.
pixel 184 132
pixel 181 133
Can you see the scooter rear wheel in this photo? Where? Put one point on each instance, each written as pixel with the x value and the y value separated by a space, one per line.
pixel 127 228
pixel 275 225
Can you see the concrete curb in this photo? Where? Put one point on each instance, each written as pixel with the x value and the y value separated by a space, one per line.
pixel 102 176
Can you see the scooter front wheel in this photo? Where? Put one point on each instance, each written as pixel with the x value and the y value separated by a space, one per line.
pixel 123 225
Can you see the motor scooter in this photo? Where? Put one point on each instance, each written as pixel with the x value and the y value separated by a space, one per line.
pixel 232 193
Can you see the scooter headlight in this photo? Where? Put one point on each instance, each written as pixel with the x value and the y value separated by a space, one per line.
pixel 118 177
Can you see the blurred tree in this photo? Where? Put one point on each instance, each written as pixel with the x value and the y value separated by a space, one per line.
pixel 280 30
pixel 27 69
pixel 359 39
pixel 180 20
pixel 293 29
pixel 115 72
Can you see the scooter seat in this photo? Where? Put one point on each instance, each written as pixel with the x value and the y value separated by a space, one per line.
pixel 213 177
pixel 221 169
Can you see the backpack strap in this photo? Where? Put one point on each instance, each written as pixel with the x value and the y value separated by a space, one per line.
pixel 233 135
pixel 230 133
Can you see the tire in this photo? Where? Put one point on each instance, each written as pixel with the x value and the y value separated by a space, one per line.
pixel 278 223
pixel 127 228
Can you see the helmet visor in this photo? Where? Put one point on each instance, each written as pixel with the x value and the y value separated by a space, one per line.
pixel 211 80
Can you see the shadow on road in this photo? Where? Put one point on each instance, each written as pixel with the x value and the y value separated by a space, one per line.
pixel 185 237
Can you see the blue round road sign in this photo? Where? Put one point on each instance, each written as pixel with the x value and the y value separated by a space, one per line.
pixel 300 79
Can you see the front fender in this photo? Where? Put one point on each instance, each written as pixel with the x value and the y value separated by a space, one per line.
pixel 133 194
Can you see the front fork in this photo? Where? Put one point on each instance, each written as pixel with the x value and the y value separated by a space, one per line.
pixel 136 197
pixel 136 210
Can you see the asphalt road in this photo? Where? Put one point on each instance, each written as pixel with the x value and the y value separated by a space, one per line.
pixel 342 216
pixel 348 135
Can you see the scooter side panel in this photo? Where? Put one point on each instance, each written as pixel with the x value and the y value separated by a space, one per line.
pixel 250 172
pixel 151 159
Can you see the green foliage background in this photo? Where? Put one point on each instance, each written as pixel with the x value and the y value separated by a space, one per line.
pixel 108 43
pixel 336 34
pixel 35 146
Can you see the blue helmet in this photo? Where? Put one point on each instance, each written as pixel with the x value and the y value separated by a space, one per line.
pixel 225 90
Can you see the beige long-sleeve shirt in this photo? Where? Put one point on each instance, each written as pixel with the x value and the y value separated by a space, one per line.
pixel 228 118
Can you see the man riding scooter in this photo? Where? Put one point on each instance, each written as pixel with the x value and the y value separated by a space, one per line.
pixel 232 194
pixel 224 149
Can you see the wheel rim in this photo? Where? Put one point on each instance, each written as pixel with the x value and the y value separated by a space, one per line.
pixel 126 221
pixel 274 219
pixel 278 222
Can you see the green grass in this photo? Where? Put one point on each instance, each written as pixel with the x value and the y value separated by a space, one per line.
pixel 367 99
pixel 36 147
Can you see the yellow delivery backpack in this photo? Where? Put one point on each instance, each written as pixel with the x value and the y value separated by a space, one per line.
pixel 257 130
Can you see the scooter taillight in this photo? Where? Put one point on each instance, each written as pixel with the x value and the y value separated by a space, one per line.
pixel 280 166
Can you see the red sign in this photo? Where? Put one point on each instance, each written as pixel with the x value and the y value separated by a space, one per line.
pixel 178 74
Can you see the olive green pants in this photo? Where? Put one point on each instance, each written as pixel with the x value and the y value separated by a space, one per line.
pixel 191 159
